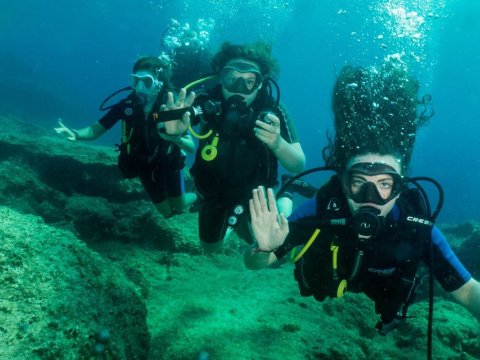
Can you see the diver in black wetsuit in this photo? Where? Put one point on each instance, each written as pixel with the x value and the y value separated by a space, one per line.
pixel 367 230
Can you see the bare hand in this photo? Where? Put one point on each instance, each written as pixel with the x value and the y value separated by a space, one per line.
pixel 269 229
pixel 65 131
pixel 180 126
pixel 269 133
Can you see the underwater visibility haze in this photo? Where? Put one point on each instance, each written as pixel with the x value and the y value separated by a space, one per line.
pixel 61 59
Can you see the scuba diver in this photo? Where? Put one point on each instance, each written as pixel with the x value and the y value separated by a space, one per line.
pixel 370 226
pixel 244 133
pixel 151 155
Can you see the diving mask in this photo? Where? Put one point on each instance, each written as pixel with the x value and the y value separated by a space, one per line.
pixel 144 80
pixel 360 190
pixel 241 77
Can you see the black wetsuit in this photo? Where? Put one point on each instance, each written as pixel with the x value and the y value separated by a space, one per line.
pixel 143 153
pixel 242 161
pixel 389 260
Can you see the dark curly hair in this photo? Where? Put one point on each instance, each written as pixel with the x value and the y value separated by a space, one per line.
pixel 375 111
pixel 160 67
pixel 259 53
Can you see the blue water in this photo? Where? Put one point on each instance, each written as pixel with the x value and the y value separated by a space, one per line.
pixel 62 60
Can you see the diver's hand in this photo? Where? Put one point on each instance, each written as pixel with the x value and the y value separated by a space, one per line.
pixel 180 126
pixel 269 132
pixel 269 229
pixel 65 131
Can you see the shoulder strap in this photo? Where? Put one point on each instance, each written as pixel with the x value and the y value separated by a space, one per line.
pixel 412 202
pixel 331 202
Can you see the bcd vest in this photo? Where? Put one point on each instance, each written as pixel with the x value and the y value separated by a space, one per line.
pixel 142 149
pixel 232 161
pixel 382 267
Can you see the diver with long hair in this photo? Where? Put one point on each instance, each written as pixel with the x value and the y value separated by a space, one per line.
pixel 369 227
pixel 245 133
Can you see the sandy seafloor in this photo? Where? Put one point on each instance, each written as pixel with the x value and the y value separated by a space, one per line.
pixel 198 306
pixel 211 304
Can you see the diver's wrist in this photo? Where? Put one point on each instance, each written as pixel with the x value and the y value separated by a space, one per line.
pixel 256 248
pixel 278 145
pixel 76 134
pixel 260 252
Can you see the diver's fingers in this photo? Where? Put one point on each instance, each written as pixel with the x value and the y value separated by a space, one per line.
pixel 256 201
pixel 181 97
pixel 263 200
pixel 272 203
pixel 263 132
pixel 272 127
pixel 69 134
pixel 283 223
pixel 263 136
pixel 274 120
pixel 186 119
pixel 262 125
pixel 170 104
pixel 253 212
pixel 61 127
pixel 190 99
pixel 163 107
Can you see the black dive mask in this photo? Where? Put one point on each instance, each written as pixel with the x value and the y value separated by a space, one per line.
pixel 241 78
pixel 366 220
pixel 239 86
pixel 368 192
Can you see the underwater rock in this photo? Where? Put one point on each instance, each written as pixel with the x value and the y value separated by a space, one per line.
pixel 459 230
pixel 77 186
pixel 61 300
pixel 469 250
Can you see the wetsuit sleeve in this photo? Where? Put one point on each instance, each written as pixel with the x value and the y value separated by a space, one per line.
pixel 288 129
pixel 112 116
pixel 448 269
pixel 298 233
